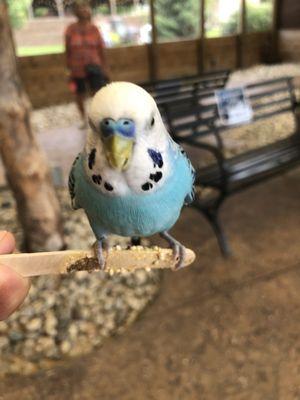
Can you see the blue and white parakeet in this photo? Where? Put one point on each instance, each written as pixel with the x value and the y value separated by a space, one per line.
pixel 131 178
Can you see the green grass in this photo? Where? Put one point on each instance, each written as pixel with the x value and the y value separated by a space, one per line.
pixel 40 50
pixel 214 33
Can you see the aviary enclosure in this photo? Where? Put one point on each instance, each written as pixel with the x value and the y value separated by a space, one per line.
pixel 223 328
pixel 163 58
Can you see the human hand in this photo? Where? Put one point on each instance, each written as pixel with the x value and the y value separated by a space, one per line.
pixel 13 287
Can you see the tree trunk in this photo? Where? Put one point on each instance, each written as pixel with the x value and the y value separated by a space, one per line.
pixel 26 168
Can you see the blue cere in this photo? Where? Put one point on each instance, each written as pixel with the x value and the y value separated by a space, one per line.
pixel 126 127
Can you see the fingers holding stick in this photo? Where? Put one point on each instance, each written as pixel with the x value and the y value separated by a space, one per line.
pixel 13 287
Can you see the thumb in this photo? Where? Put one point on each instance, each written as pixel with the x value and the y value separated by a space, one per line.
pixel 7 242
pixel 13 290
pixel 13 287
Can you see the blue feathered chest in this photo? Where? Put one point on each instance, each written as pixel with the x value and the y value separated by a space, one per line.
pixel 135 214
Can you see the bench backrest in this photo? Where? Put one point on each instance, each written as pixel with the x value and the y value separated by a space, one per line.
pixel 197 116
pixel 165 90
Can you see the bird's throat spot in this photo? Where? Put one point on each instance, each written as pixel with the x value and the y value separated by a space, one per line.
pixel 147 186
pixel 108 187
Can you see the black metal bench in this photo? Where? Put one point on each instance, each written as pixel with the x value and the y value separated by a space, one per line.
pixel 167 90
pixel 199 126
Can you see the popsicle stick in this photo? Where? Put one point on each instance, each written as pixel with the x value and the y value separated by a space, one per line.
pixel 117 260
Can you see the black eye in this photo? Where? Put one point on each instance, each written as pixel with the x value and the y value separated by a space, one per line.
pixel 125 123
pixel 152 121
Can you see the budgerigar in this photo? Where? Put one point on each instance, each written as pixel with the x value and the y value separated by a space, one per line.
pixel 131 178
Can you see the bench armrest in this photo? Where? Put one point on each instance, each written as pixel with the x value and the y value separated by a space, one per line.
pixel 218 155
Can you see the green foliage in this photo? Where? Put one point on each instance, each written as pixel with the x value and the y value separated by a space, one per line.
pixel 103 9
pixel 212 23
pixel 258 18
pixel 125 8
pixel 41 12
pixel 177 18
pixel 18 12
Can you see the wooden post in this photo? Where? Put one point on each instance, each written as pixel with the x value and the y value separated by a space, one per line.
pixel 276 14
pixel 201 37
pixel 241 35
pixel 275 31
pixel 113 7
pixel 26 168
pixel 243 22
pixel 153 45
pixel 60 8
pixel 30 11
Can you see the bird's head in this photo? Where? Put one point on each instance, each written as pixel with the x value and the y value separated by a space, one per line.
pixel 123 114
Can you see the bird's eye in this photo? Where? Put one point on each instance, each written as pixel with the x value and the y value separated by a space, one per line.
pixel 152 122
pixel 107 126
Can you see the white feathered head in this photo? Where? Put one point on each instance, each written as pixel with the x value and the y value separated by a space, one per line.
pixel 124 115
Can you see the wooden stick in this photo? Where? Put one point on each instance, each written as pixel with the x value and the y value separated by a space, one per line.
pixel 117 260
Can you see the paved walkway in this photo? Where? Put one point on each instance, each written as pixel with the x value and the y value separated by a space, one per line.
pixel 218 330
pixel 61 146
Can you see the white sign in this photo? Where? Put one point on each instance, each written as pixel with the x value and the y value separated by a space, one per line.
pixel 233 106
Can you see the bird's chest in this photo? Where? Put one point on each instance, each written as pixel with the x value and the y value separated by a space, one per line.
pixel 135 214
pixel 144 200
pixel 147 172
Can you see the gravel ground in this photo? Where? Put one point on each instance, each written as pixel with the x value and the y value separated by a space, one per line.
pixel 263 72
pixel 69 315
pixel 59 116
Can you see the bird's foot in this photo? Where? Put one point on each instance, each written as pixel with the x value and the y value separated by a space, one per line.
pixel 135 241
pixel 101 245
pixel 179 255
pixel 179 251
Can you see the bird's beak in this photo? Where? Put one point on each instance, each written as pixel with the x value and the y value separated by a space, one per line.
pixel 118 151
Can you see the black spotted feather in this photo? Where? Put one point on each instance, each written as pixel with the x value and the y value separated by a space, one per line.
pixel 71 184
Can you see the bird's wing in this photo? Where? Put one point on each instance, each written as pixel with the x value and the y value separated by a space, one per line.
pixel 189 198
pixel 71 183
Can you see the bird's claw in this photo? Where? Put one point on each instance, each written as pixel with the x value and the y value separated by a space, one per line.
pixel 101 261
pixel 99 245
pixel 179 255
pixel 179 251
